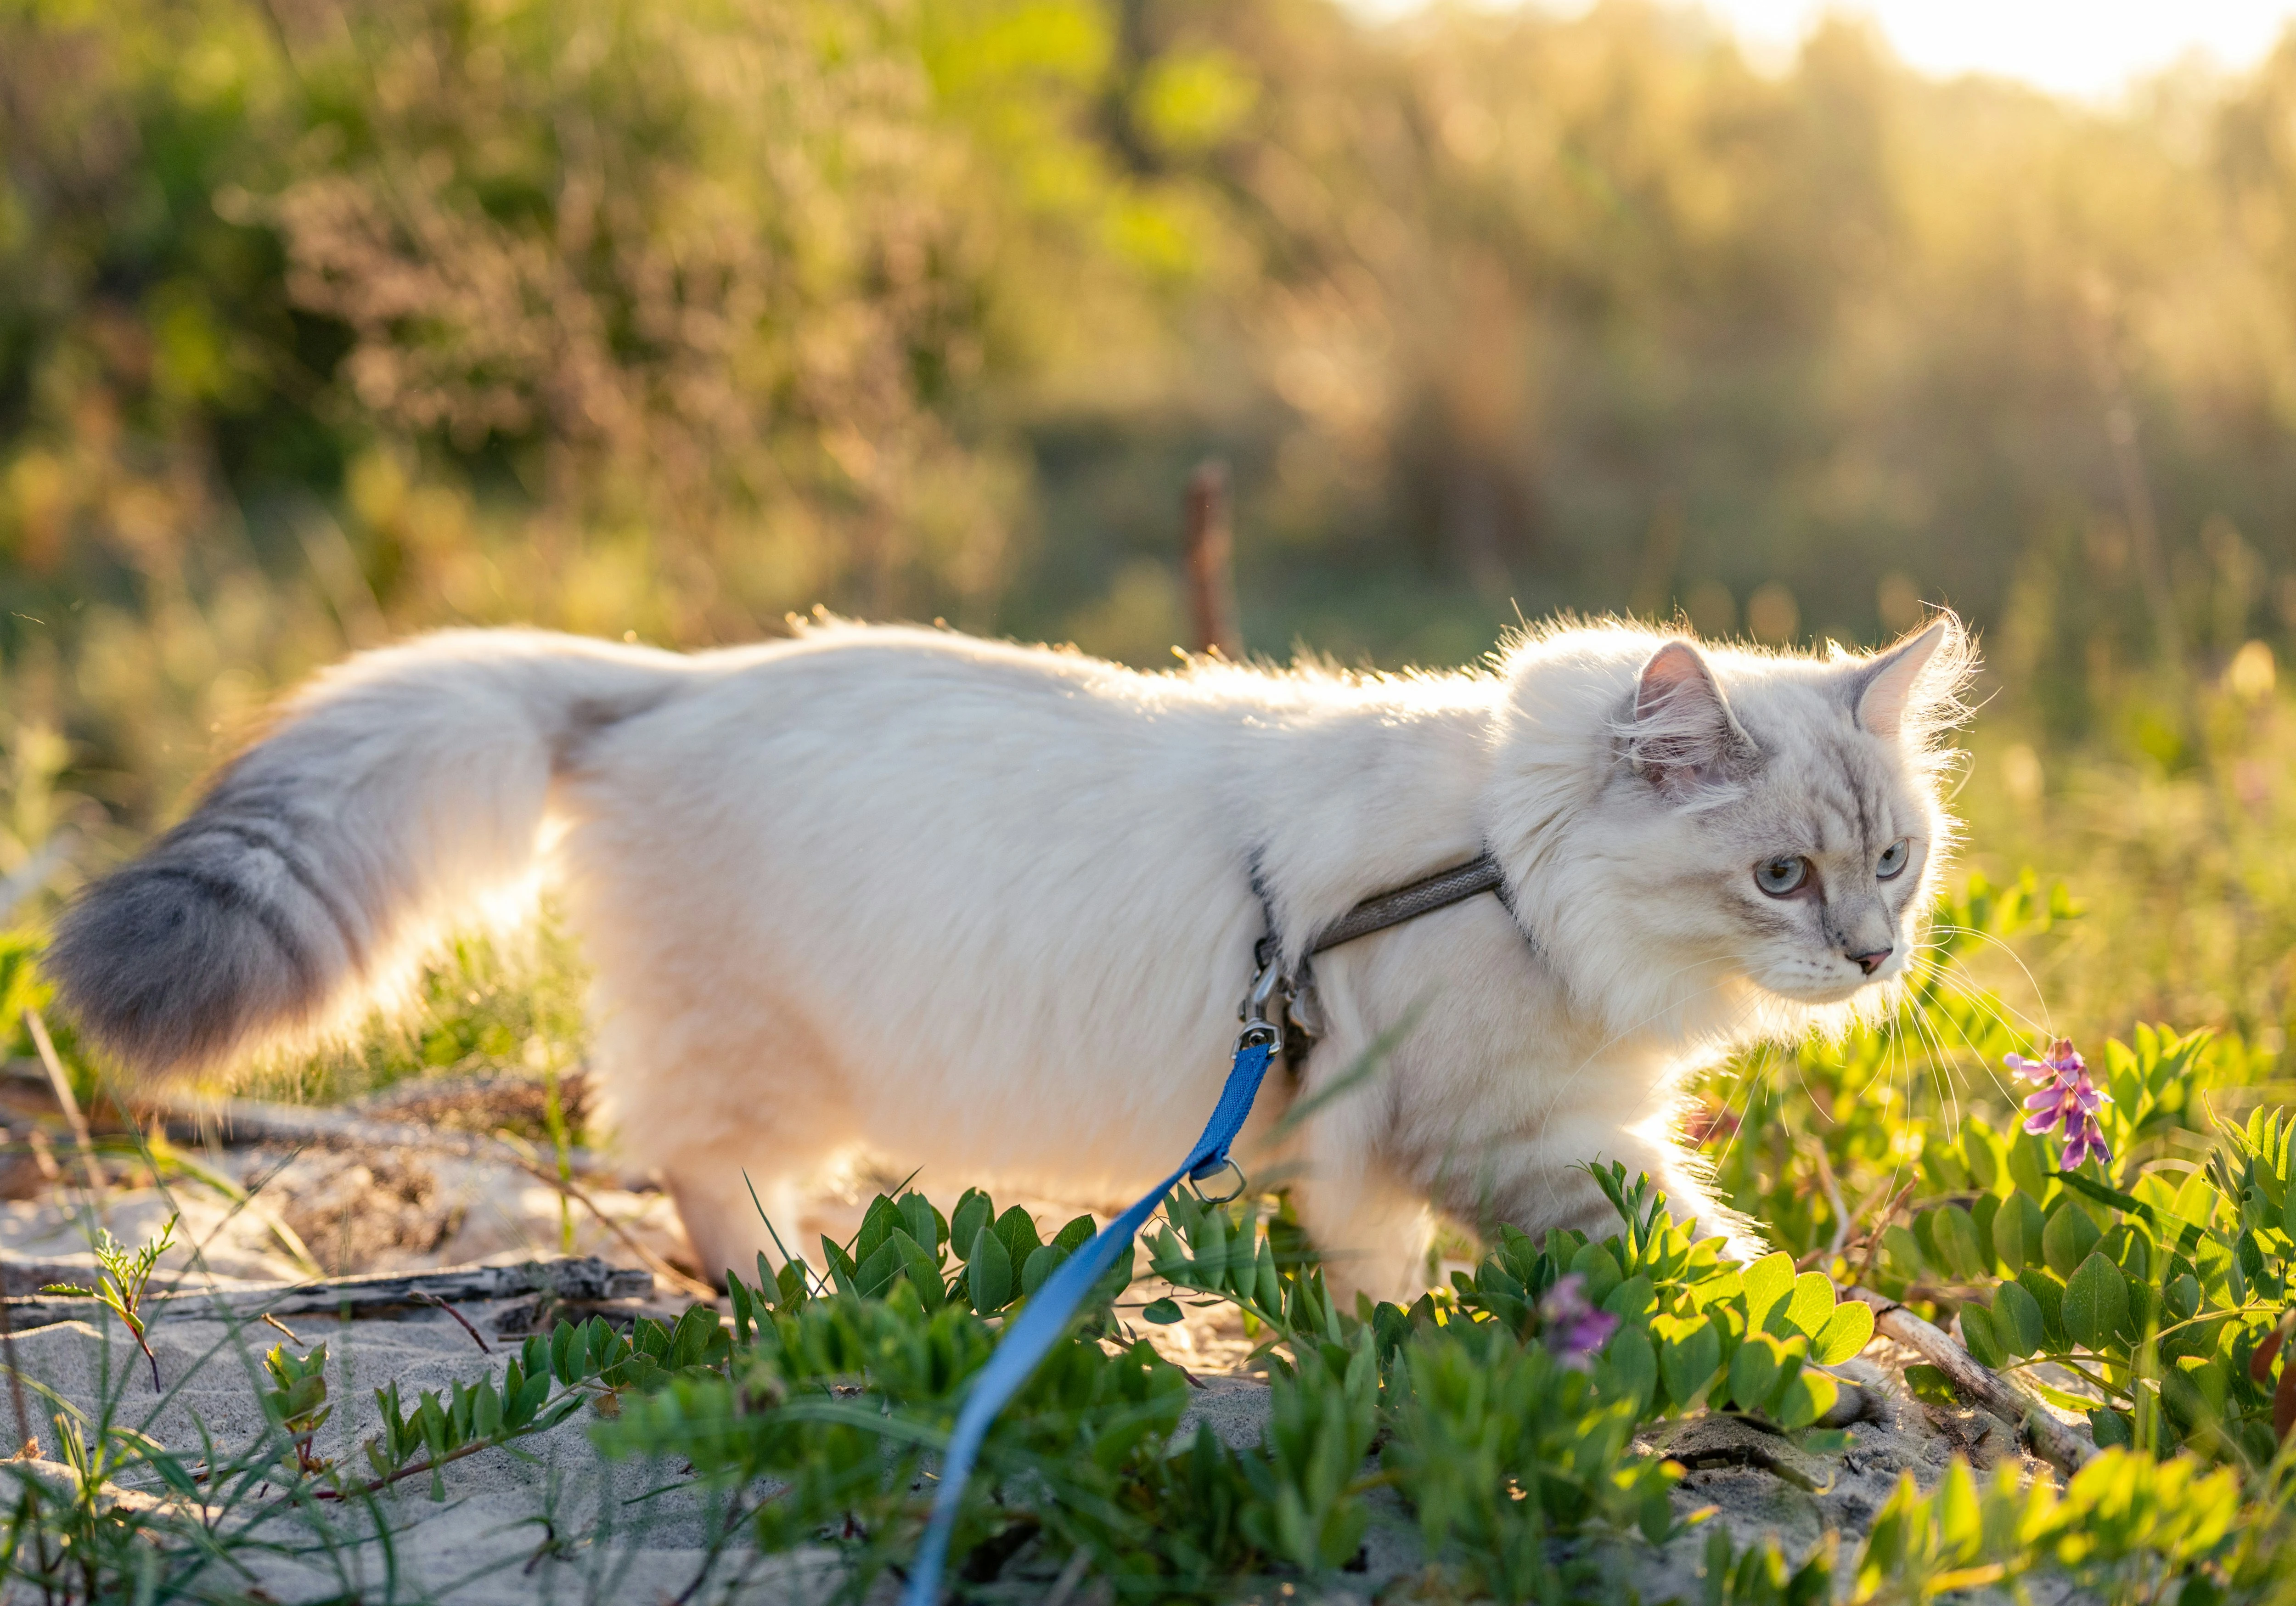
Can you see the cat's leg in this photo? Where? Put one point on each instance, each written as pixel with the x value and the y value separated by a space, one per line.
pixel 1372 1226
pixel 727 1227
pixel 720 1098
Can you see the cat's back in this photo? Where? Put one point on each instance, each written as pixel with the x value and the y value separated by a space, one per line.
pixel 893 700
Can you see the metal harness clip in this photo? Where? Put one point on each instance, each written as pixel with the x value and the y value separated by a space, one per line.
pixel 1260 1024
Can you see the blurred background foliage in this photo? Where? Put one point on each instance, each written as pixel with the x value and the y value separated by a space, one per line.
pixel 323 321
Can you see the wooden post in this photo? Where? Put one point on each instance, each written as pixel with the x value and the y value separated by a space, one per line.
pixel 1209 560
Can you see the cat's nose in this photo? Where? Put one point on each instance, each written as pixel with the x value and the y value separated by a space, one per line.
pixel 1870 962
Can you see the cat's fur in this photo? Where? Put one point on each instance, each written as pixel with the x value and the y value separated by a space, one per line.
pixel 987 910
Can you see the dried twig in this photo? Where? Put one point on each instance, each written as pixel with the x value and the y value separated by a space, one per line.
pixel 1072 1575
pixel 376 1486
pixel 436 1303
pixel 65 1098
pixel 257 1121
pixel 1208 558
pixel 2059 1445
pixel 1880 1224
pixel 584 1278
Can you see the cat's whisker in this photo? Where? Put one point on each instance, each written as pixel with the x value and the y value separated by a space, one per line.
pixel 1991 1003
pixel 1751 1081
pixel 1984 1064
pixel 1950 965
pixel 2041 997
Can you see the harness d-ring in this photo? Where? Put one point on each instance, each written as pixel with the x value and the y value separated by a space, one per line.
pixel 1242 1183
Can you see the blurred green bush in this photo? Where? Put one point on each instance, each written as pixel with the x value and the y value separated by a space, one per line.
pixel 326 319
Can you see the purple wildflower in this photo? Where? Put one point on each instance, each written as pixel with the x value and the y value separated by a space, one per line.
pixel 2068 1097
pixel 1574 1330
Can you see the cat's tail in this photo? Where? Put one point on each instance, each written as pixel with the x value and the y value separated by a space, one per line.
pixel 400 795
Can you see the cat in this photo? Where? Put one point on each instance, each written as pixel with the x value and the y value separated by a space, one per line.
pixel 987 910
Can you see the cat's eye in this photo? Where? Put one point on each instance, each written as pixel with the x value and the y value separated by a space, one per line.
pixel 1781 876
pixel 1893 858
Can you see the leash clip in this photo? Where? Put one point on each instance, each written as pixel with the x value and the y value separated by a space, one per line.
pixel 1260 1023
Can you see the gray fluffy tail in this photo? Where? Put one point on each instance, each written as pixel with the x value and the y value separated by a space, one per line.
pixel 398 793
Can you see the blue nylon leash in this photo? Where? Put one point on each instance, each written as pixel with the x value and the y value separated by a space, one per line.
pixel 1032 1333
pixel 1046 1317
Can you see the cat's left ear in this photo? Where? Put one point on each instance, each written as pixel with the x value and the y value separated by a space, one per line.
pixel 1884 688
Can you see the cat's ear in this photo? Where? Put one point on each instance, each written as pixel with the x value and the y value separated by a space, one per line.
pixel 1887 687
pixel 1683 732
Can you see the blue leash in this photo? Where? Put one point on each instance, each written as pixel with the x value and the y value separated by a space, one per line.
pixel 1045 1317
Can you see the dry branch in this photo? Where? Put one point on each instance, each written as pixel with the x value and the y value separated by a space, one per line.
pixel 2061 1445
pixel 254 1121
pixel 580 1279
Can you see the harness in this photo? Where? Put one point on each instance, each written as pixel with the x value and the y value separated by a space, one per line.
pixel 1275 997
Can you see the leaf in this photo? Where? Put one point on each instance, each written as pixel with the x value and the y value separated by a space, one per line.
pixel 1977 1336
pixel 1807 1396
pixel 921 1266
pixel 842 1271
pixel 2017 1228
pixel 876 1226
pixel 988 1276
pixel 2028 1165
pixel 924 1222
pixel 1040 1264
pixel 974 1211
pixel 2069 1238
pixel 1769 1281
pixel 1633 1300
pixel 1928 1383
pixel 2097 1303
pixel 1689 1355
pixel 1016 1230
pixel 1075 1235
pixel 1755 1370
pixel 2113 1197
pixel 1163 1312
pixel 1628 1369
pixel 879 1270
pixel 1955 1235
pixel 2048 1292
pixel 1978 1152
pixel 2017 1320
pixel 1982 1215
pixel 1812 1303
pixel 1596 1263
pixel 1959 1523
pixel 1846 1333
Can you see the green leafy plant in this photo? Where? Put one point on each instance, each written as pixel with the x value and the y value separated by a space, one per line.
pixel 297 1399
pixel 124 1277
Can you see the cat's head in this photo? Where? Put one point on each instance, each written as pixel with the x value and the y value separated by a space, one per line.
pixel 1767 827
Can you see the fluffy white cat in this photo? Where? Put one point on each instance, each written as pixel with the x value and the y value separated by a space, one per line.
pixel 987 910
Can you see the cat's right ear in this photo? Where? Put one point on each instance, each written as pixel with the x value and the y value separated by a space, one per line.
pixel 1683 735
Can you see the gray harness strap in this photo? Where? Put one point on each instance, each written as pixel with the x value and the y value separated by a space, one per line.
pixel 1279 1000
pixel 1440 890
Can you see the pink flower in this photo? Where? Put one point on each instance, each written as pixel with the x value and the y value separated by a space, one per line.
pixel 2068 1097
pixel 1573 1329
